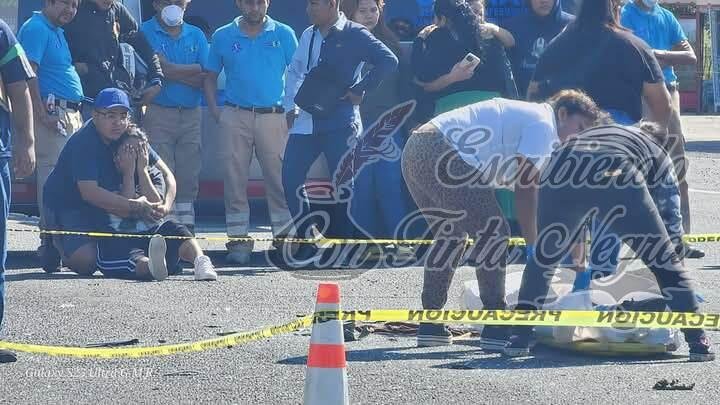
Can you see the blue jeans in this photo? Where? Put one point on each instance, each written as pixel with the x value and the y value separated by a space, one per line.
pixel 379 201
pixel 5 191
pixel 300 154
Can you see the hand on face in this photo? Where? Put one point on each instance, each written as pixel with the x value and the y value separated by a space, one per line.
pixel 126 159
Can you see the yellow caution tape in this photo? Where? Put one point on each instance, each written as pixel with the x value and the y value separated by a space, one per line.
pixel 649 320
pixel 698 238
pixel 600 319
pixel 234 339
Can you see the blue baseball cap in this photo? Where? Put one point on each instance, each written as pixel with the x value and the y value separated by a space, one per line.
pixel 112 98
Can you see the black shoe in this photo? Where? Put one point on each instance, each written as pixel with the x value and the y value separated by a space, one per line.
pixel 691 252
pixel 494 338
pixel 431 335
pixel 7 356
pixel 49 257
pixel 518 346
pixel 701 350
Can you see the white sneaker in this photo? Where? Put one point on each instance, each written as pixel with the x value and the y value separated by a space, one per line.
pixel 156 254
pixel 204 270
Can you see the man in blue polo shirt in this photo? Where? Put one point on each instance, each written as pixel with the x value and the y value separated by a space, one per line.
pixel 662 31
pixel 15 71
pixel 255 51
pixel 174 119
pixel 57 95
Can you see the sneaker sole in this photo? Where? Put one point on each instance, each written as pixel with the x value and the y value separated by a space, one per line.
pixel 156 254
pixel 206 277
pixel 698 358
pixel 493 345
pixel 516 351
pixel 434 341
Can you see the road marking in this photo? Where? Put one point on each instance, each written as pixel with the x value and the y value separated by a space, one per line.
pixel 692 190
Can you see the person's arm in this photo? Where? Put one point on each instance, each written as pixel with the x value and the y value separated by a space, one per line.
pixel 458 73
pixel 116 204
pixel 659 104
pixel 503 35
pixel 49 121
pixel 526 199
pixel 24 135
pixel 383 62
pixel 191 75
pixel 213 66
pixel 294 76
pixel 142 169
pixel 681 54
pixel 170 188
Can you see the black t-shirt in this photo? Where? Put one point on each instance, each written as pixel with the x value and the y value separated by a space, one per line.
pixel 623 148
pixel 621 64
pixel 436 55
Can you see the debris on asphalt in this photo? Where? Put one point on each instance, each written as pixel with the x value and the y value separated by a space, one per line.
pixel 674 385
pixel 117 343
pixel 186 373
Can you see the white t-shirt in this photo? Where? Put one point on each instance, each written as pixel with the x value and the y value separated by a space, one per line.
pixel 490 135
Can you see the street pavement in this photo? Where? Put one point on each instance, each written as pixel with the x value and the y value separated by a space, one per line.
pixel 64 309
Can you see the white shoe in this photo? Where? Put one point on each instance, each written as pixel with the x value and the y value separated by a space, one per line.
pixel 156 254
pixel 204 270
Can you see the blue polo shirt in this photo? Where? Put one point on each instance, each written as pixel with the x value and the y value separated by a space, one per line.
pixel 45 45
pixel 189 48
pixel 658 27
pixel 254 67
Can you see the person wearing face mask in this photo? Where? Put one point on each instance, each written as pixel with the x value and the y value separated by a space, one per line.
pixel 174 119
pixel 94 37
pixel 661 30
pixel 533 31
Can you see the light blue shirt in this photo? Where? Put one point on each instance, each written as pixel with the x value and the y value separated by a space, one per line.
pixel 658 27
pixel 254 67
pixel 189 48
pixel 45 46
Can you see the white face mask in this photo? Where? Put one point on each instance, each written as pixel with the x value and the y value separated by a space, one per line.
pixel 650 3
pixel 172 15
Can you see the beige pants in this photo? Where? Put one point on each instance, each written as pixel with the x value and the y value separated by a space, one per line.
pixel 266 135
pixel 48 145
pixel 175 134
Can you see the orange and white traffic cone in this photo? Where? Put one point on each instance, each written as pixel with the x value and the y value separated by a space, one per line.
pixel 326 376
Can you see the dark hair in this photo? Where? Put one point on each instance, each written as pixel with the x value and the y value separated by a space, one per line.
pixel 463 21
pixel 597 14
pixel 381 30
pixel 577 102
pixel 133 131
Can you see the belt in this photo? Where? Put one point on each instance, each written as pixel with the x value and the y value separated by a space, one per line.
pixel 672 86
pixel 258 110
pixel 69 105
pixel 177 107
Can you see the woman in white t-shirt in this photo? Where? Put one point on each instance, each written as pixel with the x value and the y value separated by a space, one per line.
pixel 454 164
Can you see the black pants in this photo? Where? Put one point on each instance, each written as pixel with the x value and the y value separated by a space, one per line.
pixel 627 211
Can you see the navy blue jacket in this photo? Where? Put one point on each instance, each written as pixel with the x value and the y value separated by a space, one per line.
pixel 345 50
pixel 532 34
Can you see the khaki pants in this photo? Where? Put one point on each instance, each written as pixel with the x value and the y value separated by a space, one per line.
pixel 48 145
pixel 244 133
pixel 175 134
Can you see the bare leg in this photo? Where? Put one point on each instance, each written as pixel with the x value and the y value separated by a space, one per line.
pixel 190 250
pixel 83 261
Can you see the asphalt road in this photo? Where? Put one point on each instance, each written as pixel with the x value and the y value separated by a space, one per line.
pixel 63 309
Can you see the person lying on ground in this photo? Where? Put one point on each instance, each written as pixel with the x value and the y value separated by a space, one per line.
pixel 624 178
pixel 146 258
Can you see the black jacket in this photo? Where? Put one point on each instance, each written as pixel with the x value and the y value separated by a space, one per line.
pixel 94 37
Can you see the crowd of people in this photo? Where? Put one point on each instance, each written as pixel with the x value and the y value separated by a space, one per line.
pixel 289 100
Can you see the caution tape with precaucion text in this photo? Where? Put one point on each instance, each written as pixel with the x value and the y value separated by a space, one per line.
pixel 697 238
pixel 649 320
